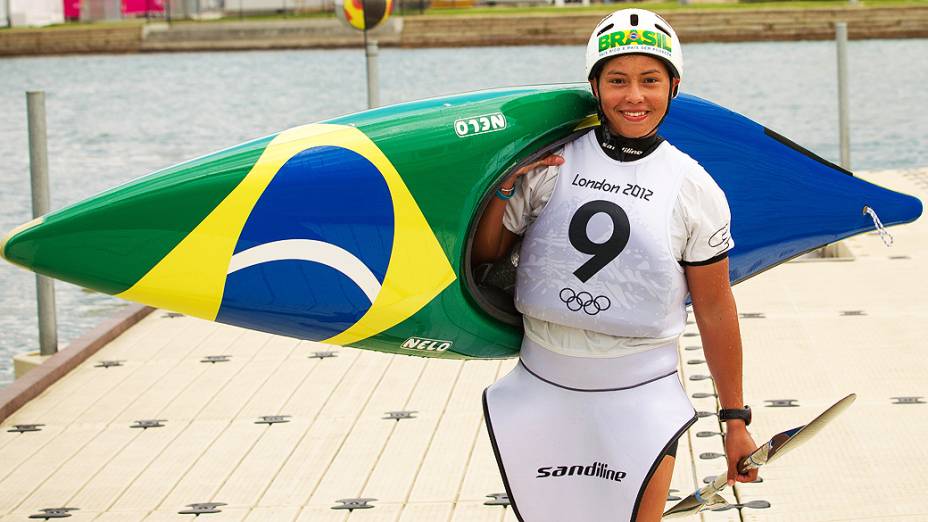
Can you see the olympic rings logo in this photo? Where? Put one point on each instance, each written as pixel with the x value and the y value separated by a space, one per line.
pixel 584 301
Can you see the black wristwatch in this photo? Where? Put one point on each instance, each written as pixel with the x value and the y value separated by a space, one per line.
pixel 734 413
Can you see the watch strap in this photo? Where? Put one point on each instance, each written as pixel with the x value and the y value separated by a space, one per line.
pixel 744 414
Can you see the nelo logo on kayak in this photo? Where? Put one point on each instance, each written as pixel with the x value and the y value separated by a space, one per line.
pixel 480 124
pixel 596 469
pixel 428 345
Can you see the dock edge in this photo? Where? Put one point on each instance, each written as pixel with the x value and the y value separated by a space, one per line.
pixel 29 386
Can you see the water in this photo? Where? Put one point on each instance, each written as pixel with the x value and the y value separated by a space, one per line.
pixel 114 118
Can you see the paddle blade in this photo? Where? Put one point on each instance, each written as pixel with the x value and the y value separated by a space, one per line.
pixel 692 505
pixel 787 442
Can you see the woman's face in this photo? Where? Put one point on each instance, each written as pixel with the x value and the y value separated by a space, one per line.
pixel 634 91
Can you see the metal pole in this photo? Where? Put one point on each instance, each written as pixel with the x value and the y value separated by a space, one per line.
pixel 38 170
pixel 373 74
pixel 844 135
pixel 843 105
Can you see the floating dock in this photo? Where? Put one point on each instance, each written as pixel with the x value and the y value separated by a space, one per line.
pixel 177 417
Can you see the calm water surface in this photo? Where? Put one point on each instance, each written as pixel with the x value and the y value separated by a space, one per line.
pixel 114 118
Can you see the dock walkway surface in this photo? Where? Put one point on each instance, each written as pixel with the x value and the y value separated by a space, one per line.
pixel 813 332
pixel 567 28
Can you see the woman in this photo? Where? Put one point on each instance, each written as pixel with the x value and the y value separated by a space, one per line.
pixel 618 227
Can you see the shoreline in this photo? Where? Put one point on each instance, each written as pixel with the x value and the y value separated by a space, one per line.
pixel 570 28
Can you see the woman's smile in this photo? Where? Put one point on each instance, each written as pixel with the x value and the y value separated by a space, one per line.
pixel 635 116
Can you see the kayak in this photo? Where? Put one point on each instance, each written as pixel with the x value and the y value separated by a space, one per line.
pixel 356 231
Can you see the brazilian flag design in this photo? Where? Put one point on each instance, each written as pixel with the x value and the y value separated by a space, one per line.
pixel 329 245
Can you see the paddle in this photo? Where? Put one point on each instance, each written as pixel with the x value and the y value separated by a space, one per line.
pixel 708 496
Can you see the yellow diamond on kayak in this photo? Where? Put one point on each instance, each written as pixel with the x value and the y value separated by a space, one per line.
pixel 278 246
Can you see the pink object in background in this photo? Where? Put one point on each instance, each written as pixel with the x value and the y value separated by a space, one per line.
pixel 142 6
pixel 72 9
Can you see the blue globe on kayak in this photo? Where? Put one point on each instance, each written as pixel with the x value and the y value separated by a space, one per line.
pixel 317 245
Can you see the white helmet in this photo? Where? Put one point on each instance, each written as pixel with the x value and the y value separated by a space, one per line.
pixel 634 31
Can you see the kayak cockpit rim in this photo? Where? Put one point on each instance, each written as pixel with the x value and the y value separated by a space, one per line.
pixel 494 300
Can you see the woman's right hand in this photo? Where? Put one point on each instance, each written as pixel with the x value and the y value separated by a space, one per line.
pixel 492 239
pixel 550 160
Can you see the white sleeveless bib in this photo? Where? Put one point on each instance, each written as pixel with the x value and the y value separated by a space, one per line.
pixel 598 257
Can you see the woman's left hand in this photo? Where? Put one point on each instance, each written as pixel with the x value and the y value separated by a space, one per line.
pixel 738 444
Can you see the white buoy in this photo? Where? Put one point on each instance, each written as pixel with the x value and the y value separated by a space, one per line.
pixel 370 14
